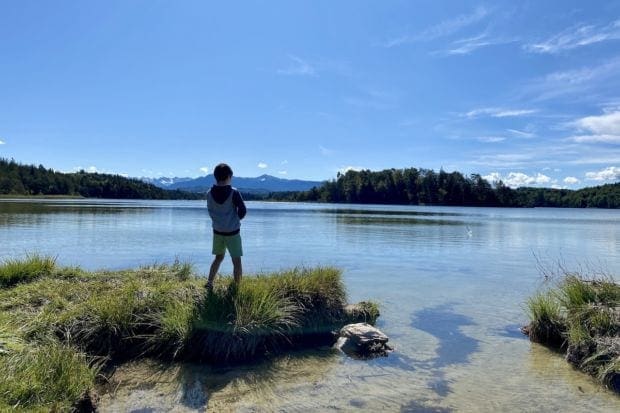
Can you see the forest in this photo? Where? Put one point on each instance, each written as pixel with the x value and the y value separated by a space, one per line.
pixel 413 186
pixel 30 180
pixel 409 186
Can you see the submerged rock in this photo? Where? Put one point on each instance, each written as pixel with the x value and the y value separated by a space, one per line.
pixel 361 340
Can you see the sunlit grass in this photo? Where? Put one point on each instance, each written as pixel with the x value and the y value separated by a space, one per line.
pixel 55 320
pixel 13 271
pixel 46 377
pixel 583 313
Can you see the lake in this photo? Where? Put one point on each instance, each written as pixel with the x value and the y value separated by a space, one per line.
pixel 452 283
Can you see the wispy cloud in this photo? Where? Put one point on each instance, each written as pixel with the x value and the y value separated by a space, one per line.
pixel 504 160
pixel 204 169
pixel 521 134
pixel 373 99
pixel 326 151
pixel 471 44
pixel 298 67
pixel 571 180
pixel 581 81
pixel 491 139
pixel 262 165
pixel 496 112
pixel 282 172
pixel 603 128
pixel 611 173
pixel 2 142
pixel 517 179
pixel 576 36
pixel 444 28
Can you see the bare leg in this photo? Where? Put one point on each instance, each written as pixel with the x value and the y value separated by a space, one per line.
pixel 215 266
pixel 237 269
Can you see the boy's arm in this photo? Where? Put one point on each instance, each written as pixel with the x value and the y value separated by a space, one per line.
pixel 239 204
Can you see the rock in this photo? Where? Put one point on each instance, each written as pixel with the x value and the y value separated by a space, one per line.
pixel 362 340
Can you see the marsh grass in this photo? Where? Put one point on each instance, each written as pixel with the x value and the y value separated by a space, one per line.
pixel 46 377
pixel 13 271
pixel 582 314
pixel 547 324
pixel 54 325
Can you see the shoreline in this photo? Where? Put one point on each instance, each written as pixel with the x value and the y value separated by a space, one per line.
pixel 75 326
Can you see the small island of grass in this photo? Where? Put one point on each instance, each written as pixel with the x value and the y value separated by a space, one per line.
pixel 581 317
pixel 62 327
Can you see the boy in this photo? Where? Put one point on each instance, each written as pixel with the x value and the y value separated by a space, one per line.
pixel 226 209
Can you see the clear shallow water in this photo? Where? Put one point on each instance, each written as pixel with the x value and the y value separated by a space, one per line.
pixel 451 281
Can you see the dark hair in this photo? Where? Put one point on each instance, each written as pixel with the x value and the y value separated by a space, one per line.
pixel 222 172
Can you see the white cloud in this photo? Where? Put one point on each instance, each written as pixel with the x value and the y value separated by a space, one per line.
pixel 517 179
pixel 262 165
pixel 571 180
pixel 521 134
pixel 576 36
pixel 603 128
pixel 282 172
pixel 92 169
pixel 298 67
pixel 471 44
pixel 491 139
pixel 2 142
pixel 444 28
pixel 496 112
pixel 493 177
pixel 575 81
pixel 204 169
pixel 346 169
pixel 611 173
pixel 326 151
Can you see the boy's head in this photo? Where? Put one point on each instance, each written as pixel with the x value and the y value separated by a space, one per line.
pixel 222 173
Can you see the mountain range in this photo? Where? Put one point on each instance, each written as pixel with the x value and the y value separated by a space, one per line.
pixel 260 184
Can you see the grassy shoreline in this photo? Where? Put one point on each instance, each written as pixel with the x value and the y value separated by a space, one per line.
pixel 62 327
pixel 580 316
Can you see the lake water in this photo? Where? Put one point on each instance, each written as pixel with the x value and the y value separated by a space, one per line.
pixel 452 283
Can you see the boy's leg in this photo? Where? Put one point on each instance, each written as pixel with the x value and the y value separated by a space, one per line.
pixel 237 269
pixel 236 251
pixel 215 266
pixel 219 249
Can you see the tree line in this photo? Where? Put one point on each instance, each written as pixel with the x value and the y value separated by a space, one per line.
pixel 18 179
pixel 413 186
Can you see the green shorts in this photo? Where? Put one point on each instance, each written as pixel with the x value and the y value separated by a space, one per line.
pixel 232 243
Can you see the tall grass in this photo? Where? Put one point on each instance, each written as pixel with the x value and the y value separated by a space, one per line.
pixel 50 327
pixel 51 376
pixel 13 271
pixel 547 324
pixel 584 312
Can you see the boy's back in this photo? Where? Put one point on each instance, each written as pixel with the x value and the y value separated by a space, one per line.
pixel 226 208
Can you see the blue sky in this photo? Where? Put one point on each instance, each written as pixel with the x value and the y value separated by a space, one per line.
pixel 525 91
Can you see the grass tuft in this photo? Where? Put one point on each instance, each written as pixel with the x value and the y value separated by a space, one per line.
pixel 14 271
pixel 546 322
pixel 50 375
pixel 583 314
